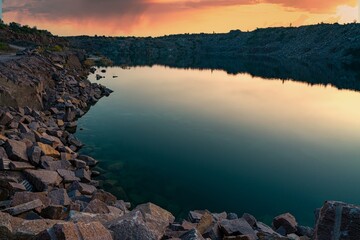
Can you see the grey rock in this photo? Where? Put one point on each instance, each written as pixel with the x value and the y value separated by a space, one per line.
pixel 83 174
pixel 59 197
pixel 67 175
pixel 287 221
pixel 192 235
pixel 97 206
pixel 34 154
pixel 236 227
pixel 43 179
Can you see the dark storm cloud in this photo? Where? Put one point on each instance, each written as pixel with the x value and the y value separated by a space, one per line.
pixel 54 9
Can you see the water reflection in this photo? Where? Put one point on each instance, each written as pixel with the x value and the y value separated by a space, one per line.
pixel 190 139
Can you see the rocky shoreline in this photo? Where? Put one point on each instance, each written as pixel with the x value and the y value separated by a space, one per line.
pixel 47 190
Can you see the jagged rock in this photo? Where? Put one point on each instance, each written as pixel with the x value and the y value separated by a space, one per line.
pixel 49 163
pixel 78 231
pixel 205 222
pixel 42 179
pixel 25 207
pixel 50 140
pixel 48 150
pixel 250 219
pixel 236 227
pixel 59 197
pixel 77 216
pixel 68 176
pixel 287 221
pixel 192 235
pixel 195 216
pixel 79 163
pixel 34 154
pixel 24 197
pixel 305 231
pixel 82 188
pixel 16 150
pixel 147 221
pixel 338 220
pixel 105 197
pixel 97 206
pixel 83 174
pixel 12 228
pixel 6 118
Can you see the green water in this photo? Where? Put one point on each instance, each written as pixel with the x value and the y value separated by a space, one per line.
pixel 191 139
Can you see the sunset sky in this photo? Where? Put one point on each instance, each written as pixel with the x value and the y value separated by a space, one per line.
pixel 160 17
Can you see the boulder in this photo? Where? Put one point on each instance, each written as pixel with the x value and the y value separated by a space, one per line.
pixel 91 162
pixel 42 179
pixel 82 188
pixel 250 219
pixel 18 166
pixel 338 221
pixel 146 221
pixel 24 207
pixel 49 163
pixel 83 174
pixel 59 196
pixel 16 150
pixel 55 212
pixel 205 222
pixel 195 216
pixel 97 206
pixel 68 176
pixel 105 197
pixel 236 227
pixel 48 150
pixel 193 234
pixel 287 221
pixel 24 197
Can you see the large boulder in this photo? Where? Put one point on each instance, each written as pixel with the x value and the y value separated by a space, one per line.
pixel 59 197
pixel 48 150
pixel 16 150
pixel 42 179
pixel 287 222
pixel 338 221
pixel 236 227
pixel 146 221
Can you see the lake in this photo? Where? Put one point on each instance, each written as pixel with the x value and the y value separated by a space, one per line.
pixel 189 139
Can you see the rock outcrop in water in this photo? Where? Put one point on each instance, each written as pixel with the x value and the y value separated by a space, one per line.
pixel 46 186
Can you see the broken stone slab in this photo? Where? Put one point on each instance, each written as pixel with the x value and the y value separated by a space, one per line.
pixel 34 154
pixel 16 150
pixel 287 221
pixel 105 197
pixel 55 212
pixel 24 197
pixel 48 150
pixel 91 162
pixel 146 221
pixel 59 196
pixel 49 163
pixel 195 216
pixel 24 207
pixel 67 175
pixel 19 166
pixel 338 220
pixel 43 179
pixel 236 227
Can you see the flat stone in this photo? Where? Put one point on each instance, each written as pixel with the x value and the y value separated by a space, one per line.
pixel 59 197
pixel 24 207
pixel 338 220
pixel 97 206
pixel 236 227
pixel 48 150
pixel 68 176
pixel 19 166
pixel 16 150
pixel 42 179
pixel 287 221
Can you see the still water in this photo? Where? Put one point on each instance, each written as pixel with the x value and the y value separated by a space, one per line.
pixel 190 139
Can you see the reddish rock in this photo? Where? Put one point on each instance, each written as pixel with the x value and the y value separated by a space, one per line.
pixel 287 221
pixel 16 150
pixel 82 188
pixel 105 197
pixel 42 179
pixel 24 207
pixel 59 197
pixel 338 221
pixel 18 166
pixel 97 206
pixel 236 227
